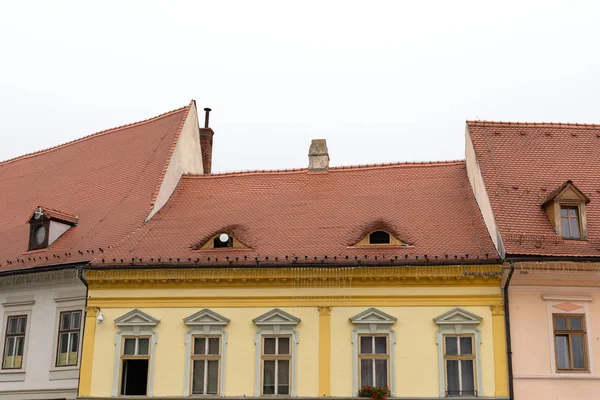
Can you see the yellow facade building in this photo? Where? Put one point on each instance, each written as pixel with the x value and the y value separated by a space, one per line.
pixel 319 282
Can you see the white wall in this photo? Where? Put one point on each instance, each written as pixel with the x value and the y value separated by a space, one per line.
pixel 41 296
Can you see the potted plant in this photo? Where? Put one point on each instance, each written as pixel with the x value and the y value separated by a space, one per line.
pixel 374 392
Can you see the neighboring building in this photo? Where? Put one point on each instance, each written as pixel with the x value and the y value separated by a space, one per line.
pixel 305 283
pixel 537 186
pixel 61 207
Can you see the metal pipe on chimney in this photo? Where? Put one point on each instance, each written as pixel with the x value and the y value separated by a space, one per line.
pixel 207 110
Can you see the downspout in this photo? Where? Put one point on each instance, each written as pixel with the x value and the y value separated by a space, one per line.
pixel 511 388
pixel 82 279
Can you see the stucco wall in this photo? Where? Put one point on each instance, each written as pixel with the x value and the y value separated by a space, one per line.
pixel 416 357
pixel 535 375
pixel 40 378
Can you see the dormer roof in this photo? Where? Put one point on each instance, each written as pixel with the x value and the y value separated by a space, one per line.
pixel 566 191
pixel 55 215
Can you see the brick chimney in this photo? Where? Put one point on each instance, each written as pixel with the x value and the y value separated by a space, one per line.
pixel 318 156
pixel 206 143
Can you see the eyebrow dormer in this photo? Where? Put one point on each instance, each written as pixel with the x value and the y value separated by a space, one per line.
pixel 380 237
pixel 47 225
pixel 566 210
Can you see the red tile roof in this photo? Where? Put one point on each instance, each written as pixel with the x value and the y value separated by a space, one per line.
pixel 108 179
pixel 522 165
pixel 300 216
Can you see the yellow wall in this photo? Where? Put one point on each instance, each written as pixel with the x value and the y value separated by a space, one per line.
pixel 415 307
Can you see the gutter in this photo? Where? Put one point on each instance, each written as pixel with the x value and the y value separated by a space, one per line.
pixel 46 268
pixel 511 387
pixel 82 279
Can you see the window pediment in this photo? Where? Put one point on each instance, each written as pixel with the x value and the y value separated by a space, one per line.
pixel 276 317
pixel 459 319
pixel 136 318
pixel 373 316
pixel 206 317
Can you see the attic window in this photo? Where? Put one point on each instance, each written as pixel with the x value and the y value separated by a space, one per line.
pixel 223 240
pixel 379 237
pixel 47 225
pixel 566 210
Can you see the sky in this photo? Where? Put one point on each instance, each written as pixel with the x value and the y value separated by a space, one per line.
pixel 382 81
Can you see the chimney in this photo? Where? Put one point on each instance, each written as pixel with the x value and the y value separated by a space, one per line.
pixel 318 156
pixel 206 142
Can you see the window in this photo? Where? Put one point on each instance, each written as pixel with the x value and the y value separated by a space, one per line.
pixel 374 360
pixel 134 366
pixel 379 237
pixel 205 365
pixel 14 342
pixel 222 241
pixel 569 217
pixel 569 342
pixel 68 338
pixel 459 360
pixel 276 358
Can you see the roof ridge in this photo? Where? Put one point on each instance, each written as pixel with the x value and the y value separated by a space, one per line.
pixel 538 124
pixel 408 164
pixel 91 136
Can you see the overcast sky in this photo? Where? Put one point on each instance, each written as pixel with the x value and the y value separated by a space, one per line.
pixel 381 81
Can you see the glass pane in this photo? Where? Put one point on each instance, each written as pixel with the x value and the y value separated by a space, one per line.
pixel 213 345
pixel 213 377
pixel 284 346
pixel 8 352
pixel 65 321
pixel 466 345
pixel 269 377
pixel 199 345
pixel 560 323
pixel 198 377
pixel 468 378
pixel 452 385
pixel 381 373
pixel 129 348
pixel 366 345
pixel 563 212
pixel 562 352
pixel 22 323
pixel 12 324
pixel 63 344
pixel 72 359
pixel 75 320
pixel 578 352
pixel 143 345
pixel 451 345
pixel 283 377
pixel 572 212
pixel 380 345
pixel 575 324
pixel 565 227
pixel 366 372
pixel 269 345
pixel 18 352
pixel 574 227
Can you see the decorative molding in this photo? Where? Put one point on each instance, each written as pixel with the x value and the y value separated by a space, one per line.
pixel 135 323
pixel 205 322
pixel 26 301
pixel 497 310
pixel 373 321
pixel 458 322
pixel 275 322
pixel 566 297
pixel 324 310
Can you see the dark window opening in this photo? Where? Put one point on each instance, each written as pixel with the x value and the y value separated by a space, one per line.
pixel 38 234
pixel 379 237
pixel 134 379
pixel 222 241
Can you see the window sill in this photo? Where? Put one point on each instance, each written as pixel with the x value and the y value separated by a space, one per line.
pixel 59 373
pixel 12 376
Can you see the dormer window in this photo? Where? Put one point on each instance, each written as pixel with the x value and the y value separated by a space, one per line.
pixel 380 238
pixel 221 240
pixel 566 210
pixel 47 225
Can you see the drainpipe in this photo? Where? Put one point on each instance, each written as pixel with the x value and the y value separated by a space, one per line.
pixel 511 388
pixel 82 279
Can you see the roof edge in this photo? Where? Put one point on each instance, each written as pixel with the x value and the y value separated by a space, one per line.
pixel 533 124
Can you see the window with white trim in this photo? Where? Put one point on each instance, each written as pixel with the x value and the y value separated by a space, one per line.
pixel 206 358
pixel 374 360
pixel 135 358
pixel 459 363
pixel 68 338
pixel 276 360
pixel 14 342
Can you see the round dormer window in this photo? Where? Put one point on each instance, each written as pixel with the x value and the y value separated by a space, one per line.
pixel 40 235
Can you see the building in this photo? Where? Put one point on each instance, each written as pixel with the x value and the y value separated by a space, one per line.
pixel 537 187
pixel 306 283
pixel 61 207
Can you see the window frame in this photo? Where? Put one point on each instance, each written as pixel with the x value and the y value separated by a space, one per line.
pixel 206 357
pixel 373 356
pixel 275 357
pixel 10 335
pixel 569 333
pixel 69 331
pixel 125 357
pixel 460 357
pixel 571 206
pixel 33 226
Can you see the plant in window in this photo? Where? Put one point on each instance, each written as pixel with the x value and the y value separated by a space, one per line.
pixel 374 392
